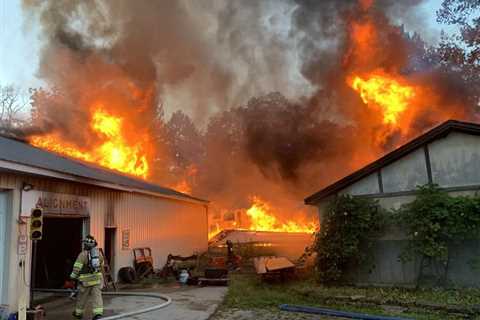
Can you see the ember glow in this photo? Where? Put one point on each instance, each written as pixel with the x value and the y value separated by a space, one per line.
pixel 188 180
pixel 113 151
pixel 263 218
pixel 214 230
pixel 385 93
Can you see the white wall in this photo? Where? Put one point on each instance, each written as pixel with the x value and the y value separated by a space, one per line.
pixel 455 160
pixel 367 185
pixel 18 279
pixel 405 173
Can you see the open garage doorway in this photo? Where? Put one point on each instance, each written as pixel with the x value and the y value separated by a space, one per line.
pixel 57 251
pixel 109 247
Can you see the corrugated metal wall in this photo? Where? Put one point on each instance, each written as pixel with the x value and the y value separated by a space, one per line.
pixel 165 225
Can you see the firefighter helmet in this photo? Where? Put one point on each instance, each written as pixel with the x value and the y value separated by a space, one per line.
pixel 89 242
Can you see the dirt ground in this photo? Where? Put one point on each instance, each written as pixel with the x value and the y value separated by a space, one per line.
pixel 264 314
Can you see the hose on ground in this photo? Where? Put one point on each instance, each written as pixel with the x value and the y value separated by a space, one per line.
pixel 336 313
pixel 167 301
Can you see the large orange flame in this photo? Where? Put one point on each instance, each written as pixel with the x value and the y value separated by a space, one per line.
pixel 384 92
pixel 378 82
pixel 263 218
pixel 113 151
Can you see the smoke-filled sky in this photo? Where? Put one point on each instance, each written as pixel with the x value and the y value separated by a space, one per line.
pixel 20 40
pixel 269 81
pixel 205 57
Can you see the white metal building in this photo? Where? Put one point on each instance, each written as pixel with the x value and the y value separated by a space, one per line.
pixel 448 156
pixel 80 199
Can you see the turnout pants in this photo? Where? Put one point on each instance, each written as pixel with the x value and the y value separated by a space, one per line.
pixel 93 294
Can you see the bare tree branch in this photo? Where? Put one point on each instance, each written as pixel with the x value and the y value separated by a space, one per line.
pixel 12 102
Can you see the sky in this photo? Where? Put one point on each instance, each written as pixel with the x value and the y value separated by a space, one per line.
pixel 20 42
pixel 19 46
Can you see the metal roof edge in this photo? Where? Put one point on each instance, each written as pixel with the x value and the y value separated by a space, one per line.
pixel 441 130
pixel 14 166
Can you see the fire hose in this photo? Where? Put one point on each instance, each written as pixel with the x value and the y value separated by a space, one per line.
pixel 167 301
pixel 336 313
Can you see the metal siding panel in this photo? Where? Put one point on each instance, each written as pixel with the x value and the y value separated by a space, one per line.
pixel 3 247
pixel 8 181
pixel 164 225
pixel 15 283
pixel 99 200
pixel 11 286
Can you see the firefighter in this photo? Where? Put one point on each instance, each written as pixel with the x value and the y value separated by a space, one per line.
pixel 87 272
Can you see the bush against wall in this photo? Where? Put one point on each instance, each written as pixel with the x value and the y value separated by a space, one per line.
pixel 348 230
pixel 434 221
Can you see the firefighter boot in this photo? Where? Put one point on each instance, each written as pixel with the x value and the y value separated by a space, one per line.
pixel 97 301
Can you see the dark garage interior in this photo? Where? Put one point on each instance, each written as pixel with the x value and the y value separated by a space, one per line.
pixel 57 251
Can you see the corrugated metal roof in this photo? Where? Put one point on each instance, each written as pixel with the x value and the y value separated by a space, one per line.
pixel 20 152
pixel 433 134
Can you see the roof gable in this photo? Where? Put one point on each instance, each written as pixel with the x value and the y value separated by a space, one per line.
pixel 440 131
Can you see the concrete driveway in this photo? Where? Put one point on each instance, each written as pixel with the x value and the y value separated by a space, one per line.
pixel 193 304
pixel 188 303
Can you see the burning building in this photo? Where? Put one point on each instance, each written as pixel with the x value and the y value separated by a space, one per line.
pixel 77 198
pixel 252 116
pixel 262 243
pixel 260 216
pixel 446 156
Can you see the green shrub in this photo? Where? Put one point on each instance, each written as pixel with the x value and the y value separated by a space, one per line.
pixel 347 232
pixel 434 221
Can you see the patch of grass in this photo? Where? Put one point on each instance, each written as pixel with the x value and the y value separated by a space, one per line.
pixel 249 292
pixel 246 292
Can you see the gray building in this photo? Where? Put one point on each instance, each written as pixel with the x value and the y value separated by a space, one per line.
pixel 77 199
pixel 449 156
